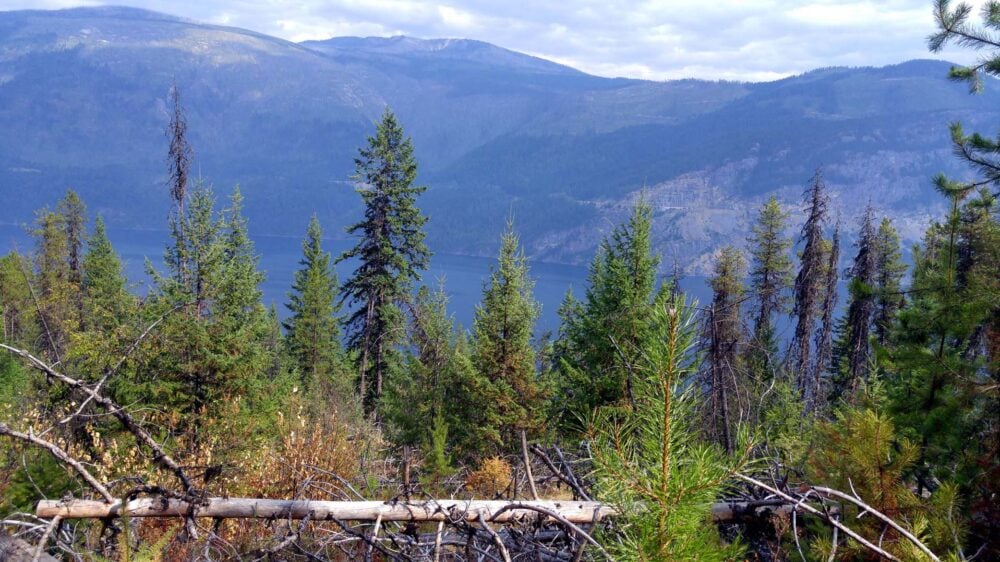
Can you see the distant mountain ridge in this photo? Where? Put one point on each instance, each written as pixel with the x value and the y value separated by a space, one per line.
pixel 83 104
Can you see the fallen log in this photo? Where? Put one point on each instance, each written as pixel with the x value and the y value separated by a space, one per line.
pixel 578 512
pixel 250 508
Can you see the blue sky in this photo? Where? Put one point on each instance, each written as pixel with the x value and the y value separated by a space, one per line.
pixel 712 39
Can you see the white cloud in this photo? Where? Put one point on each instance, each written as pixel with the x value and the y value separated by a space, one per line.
pixel 656 39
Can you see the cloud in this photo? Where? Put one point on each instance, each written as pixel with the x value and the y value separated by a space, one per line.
pixel 654 39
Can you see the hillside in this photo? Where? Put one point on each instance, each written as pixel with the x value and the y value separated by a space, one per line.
pixel 83 105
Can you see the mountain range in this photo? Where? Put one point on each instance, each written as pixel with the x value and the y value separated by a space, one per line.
pixel 84 104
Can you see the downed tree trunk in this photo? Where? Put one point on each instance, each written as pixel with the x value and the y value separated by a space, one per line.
pixel 433 510
pixel 250 508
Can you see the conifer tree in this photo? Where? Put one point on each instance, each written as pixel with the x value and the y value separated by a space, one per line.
pixel 56 293
pixel 178 155
pixel 603 334
pixel 824 334
pixel 216 347
pixel 106 300
pixel 391 252
pixel 437 401
pixel 74 219
pixel 648 461
pixel 889 269
pixel 724 334
pixel 502 350
pixel 980 152
pixel 770 280
pixel 314 325
pixel 809 285
pixel 19 313
pixel 861 310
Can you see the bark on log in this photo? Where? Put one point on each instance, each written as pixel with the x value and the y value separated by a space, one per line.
pixel 250 508
pixel 578 512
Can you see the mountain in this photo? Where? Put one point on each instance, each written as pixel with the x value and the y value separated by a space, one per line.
pixel 83 104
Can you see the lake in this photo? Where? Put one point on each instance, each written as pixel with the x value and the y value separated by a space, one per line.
pixel 463 276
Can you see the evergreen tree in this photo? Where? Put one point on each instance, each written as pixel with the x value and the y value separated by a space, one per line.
pixel 391 251
pixel 648 462
pixel 56 294
pixel 724 335
pixel 502 350
pixel 178 155
pixel 106 300
pixel 214 344
pixel 602 336
pixel 824 334
pixel 861 310
pixel 770 280
pixel 74 219
pixel 314 325
pixel 808 290
pixel 17 305
pixel 980 152
pixel 436 402
pixel 109 309
pixel 889 269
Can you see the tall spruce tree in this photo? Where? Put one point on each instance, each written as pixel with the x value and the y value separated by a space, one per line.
pixel 603 335
pixel 179 154
pixel 861 310
pixel 391 252
pixel 889 269
pixel 723 332
pixel 502 350
pixel 824 334
pixel 215 327
pixel 106 300
pixel 314 325
pixel 809 288
pixel 770 282
pixel 74 219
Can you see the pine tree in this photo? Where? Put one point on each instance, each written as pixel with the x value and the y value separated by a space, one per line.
pixel 648 462
pixel 890 269
pixel 391 251
pixel 502 350
pixel 314 325
pixel 724 334
pixel 824 334
pixel 980 152
pixel 770 280
pixel 809 288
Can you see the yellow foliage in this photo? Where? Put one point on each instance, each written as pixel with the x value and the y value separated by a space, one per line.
pixel 491 478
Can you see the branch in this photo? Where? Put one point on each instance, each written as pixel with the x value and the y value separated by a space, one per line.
pixel 814 511
pixel 160 455
pixel 62 456
pixel 857 501
pixel 496 537
pixel 565 522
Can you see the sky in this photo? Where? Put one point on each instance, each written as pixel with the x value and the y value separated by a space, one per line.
pixel 754 40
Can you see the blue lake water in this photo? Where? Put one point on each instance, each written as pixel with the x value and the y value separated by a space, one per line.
pixel 463 276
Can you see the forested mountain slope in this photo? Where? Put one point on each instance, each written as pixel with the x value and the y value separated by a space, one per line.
pixel 83 104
